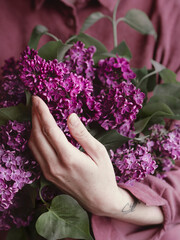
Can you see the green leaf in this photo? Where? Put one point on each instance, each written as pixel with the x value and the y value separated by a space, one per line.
pixel 37 32
pixel 19 113
pixel 138 20
pixel 168 76
pixel 122 50
pixel 172 102
pixel 31 228
pixel 151 84
pixel 141 124
pixel 151 111
pixel 17 234
pixel 54 50
pixel 62 51
pixel 65 218
pixel 140 73
pixel 49 51
pixel 151 74
pixel 144 123
pixel 112 139
pixel 93 18
pixel 168 89
pixel 150 108
pixel 158 115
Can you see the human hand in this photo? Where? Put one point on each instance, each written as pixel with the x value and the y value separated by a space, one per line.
pixel 87 176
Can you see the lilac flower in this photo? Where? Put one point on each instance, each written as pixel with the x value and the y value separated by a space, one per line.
pixel 114 70
pixel 120 99
pixel 132 163
pixel 64 92
pixel 165 147
pixel 16 135
pixel 119 106
pixel 17 166
pixel 80 60
pixel 11 88
pixel 154 154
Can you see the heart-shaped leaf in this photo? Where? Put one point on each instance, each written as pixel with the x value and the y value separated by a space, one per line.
pixel 65 218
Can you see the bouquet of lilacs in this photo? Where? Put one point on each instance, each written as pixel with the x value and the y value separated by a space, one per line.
pixel 112 101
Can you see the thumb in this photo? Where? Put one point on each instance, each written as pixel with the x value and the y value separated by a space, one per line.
pixel 79 132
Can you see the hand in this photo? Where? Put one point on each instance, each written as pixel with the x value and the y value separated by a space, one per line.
pixel 89 177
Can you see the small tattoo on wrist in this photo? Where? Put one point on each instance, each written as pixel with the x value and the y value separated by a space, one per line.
pixel 128 208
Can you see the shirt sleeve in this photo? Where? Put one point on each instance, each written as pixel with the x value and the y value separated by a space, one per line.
pixel 153 192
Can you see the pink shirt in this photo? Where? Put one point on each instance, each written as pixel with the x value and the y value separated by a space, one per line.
pixel 17 19
pixel 153 192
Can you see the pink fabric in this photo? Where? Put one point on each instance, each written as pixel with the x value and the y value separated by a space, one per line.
pixel 153 192
pixel 17 19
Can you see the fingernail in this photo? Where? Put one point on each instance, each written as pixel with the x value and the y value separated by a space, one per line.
pixel 73 119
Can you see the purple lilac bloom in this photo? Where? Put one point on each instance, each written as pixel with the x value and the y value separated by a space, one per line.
pixel 119 106
pixel 132 163
pixel 165 146
pixel 20 212
pixel 17 166
pixel 49 192
pixel 154 154
pixel 16 135
pixel 63 91
pixel 11 88
pixel 120 99
pixel 80 60
pixel 114 70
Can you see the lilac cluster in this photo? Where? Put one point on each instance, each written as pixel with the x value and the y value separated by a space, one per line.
pixel 12 218
pixel 80 60
pixel 16 135
pixel 20 212
pixel 120 99
pixel 66 87
pixel 119 106
pixel 114 70
pixel 132 163
pixel 17 166
pixel 164 145
pixel 155 154
pixel 11 88
pixel 65 92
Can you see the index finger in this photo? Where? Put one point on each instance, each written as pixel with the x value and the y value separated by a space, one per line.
pixel 51 131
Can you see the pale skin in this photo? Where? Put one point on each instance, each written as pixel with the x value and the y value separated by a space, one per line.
pixel 87 176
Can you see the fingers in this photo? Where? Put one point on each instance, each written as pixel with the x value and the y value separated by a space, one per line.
pixel 43 152
pixel 50 130
pixel 92 147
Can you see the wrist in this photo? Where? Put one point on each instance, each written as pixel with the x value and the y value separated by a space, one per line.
pixel 111 204
pixel 114 205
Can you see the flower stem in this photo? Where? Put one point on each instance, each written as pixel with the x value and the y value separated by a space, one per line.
pixel 45 203
pixel 115 24
pixel 51 35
